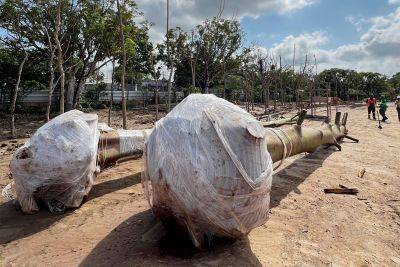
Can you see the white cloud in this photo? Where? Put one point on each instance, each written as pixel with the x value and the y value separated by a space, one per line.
pixel 357 23
pixel 377 50
pixel 393 2
pixel 189 13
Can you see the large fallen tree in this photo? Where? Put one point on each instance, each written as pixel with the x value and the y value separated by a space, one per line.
pixel 208 163
pixel 119 145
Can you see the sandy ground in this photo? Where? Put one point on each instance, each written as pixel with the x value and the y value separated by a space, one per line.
pixel 115 227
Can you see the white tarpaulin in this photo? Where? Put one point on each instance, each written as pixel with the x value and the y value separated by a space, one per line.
pixel 57 165
pixel 209 168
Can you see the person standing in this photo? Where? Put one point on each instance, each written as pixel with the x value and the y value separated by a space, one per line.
pixel 371 103
pixel 397 103
pixel 382 108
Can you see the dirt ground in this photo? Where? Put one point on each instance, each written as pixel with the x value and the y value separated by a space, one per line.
pixel 115 227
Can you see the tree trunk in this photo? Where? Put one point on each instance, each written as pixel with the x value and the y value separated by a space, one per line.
pixel 193 64
pixel 224 76
pixel 51 84
pixel 252 93
pixel 292 141
pixel 295 89
pixel 302 139
pixel 171 63
pixel 16 89
pixel 60 57
pixel 156 97
pixel 81 87
pixel 275 95
pixel 169 88
pixel 112 93
pixel 267 99
pixel 207 84
pixel 206 80
pixel 193 69
pixel 280 81
pixel 264 92
pixel 121 30
pixel 71 89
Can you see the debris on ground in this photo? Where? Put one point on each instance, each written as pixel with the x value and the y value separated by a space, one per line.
pixel 361 173
pixel 341 190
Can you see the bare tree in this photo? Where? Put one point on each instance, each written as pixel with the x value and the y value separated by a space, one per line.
pixel 122 36
pixel 171 62
pixel 17 42
pixel 112 93
pixel 193 59
pixel 155 74
pixel 266 69
pixel 60 56
pixel 14 100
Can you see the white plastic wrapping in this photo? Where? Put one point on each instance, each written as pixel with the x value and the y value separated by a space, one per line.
pixel 57 165
pixel 131 140
pixel 209 168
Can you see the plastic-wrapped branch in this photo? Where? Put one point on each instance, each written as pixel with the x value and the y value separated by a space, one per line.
pixel 57 165
pixel 210 165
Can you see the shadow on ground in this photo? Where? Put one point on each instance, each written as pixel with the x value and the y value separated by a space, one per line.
pixel 289 178
pixel 15 225
pixel 126 246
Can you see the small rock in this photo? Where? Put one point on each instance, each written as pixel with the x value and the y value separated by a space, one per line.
pixel 3 145
pixel 395 260
pixel 361 173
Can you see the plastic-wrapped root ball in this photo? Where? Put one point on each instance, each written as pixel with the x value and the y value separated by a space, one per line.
pixel 209 168
pixel 57 165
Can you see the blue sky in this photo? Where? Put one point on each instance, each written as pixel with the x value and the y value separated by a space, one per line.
pixel 330 17
pixel 355 34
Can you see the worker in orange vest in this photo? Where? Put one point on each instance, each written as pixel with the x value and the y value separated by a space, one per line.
pixel 371 102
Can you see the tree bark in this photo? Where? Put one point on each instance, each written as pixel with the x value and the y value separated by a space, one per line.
pixel 252 92
pixel 51 85
pixel 60 57
pixel 156 97
pixel 267 90
pixel 169 87
pixel 299 139
pixel 292 141
pixel 71 89
pixel 112 93
pixel 224 76
pixel 264 92
pixel 122 36
pixel 16 89
pixel 193 68
pixel 207 84
pixel 171 63
pixel 280 82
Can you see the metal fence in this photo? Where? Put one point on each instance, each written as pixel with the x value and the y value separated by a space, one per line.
pixel 42 96
pixel 138 96
pixel 38 97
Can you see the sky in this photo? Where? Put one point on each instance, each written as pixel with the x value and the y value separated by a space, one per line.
pixel 363 35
